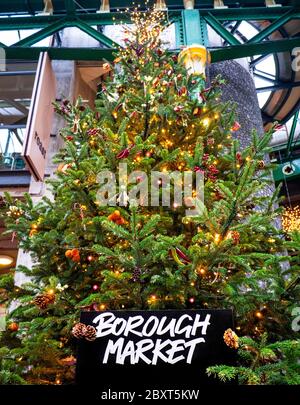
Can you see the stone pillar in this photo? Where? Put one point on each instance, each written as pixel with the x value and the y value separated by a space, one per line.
pixel 240 89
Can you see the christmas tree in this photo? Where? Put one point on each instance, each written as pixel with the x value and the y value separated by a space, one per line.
pixel 151 116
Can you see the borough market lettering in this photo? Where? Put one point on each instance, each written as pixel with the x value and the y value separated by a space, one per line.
pixel 138 339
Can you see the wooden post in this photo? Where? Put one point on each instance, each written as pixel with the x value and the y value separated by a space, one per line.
pixel 189 4
pixel 105 7
pixel 48 9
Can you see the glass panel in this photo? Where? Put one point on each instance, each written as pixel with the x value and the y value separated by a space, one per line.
pixel 16 86
pixel 11 141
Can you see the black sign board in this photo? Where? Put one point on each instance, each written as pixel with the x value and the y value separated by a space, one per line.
pixel 168 347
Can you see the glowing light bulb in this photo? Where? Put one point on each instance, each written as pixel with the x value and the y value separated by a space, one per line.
pixel 206 122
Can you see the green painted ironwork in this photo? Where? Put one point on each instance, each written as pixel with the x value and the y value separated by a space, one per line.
pixel 263 48
pixel 273 27
pixel 43 33
pixel 279 174
pixel 219 28
pixel 194 29
pixel 292 134
pixel 61 53
pixel 103 39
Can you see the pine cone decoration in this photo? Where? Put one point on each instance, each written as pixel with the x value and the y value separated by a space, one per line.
pixel 90 333
pixel 261 164
pixel 78 330
pixel 136 275
pixel 231 339
pixel 2 202
pixel 82 331
pixel 43 300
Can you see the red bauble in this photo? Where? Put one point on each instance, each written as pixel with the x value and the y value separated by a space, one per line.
pixel 13 327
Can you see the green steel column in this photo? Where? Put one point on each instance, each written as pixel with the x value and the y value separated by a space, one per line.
pixel 292 134
pixel 194 28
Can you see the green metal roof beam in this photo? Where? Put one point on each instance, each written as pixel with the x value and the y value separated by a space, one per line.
pixel 222 31
pixel 103 39
pixel 272 27
pixel 292 134
pixel 34 22
pixel 249 13
pixel 70 7
pixel 43 33
pixel 60 53
pixel 230 14
pixel 217 55
pixel 242 51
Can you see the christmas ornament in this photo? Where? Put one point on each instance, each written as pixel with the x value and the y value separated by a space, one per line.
pixel 78 330
pixel 179 257
pixel 178 108
pixel 82 331
pixel 155 82
pixel 231 339
pixel 73 254
pixel 68 361
pixel 212 171
pixel 32 232
pixel 182 91
pixel 14 212
pixel 95 287
pixel 239 158
pixel 13 327
pixel 93 132
pixel 198 169
pixel 236 126
pixel 197 111
pixel 106 66
pixel 125 152
pixel 116 217
pixel 234 235
pixel 134 115
pixel 69 138
pixel 136 275
pixel 68 253
pixel 64 167
pixel 43 300
pixel 261 164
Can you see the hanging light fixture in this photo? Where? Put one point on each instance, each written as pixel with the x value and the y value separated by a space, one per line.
pixel 195 58
pixel 6 261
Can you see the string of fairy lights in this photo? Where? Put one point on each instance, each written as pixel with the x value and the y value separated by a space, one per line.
pixel 291 219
